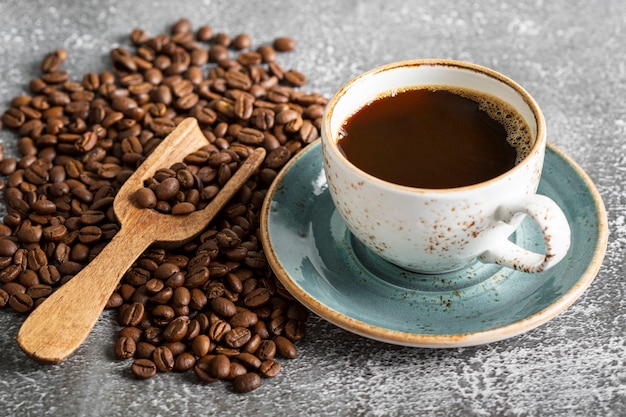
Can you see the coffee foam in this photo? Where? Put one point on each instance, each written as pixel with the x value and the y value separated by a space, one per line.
pixel 518 132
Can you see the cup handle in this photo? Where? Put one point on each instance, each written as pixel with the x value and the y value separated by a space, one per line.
pixel 554 228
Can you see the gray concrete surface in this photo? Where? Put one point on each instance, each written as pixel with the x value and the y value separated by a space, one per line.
pixel 570 54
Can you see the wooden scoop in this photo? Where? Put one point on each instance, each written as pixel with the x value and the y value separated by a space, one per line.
pixel 57 327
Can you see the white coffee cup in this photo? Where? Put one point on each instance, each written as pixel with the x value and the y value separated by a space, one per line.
pixel 438 230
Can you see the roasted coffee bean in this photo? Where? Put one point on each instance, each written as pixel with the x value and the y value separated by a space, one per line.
pixel 201 345
pixel 198 300
pixel 144 350
pixel 153 335
pixel 21 302
pixel 143 368
pixel 183 208
pixel 247 382
pixel 13 288
pixel 163 314
pixel 269 368
pixel 244 318
pixel 131 332
pixel 218 330
pixel 163 296
pixel 131 314
pixel 284 44
pixel 236 369
pixel 167 189
pixel 237 337
pixel 277 324
pixel 36 291
pixel 145 198
pixel 253 344
pixel 201 369
pixel 13 118
pixel 125 348
pixel 184 362
pixel 223 307
pixel 28 278
pixel 248 360
pixel 10 273
pixel 163 359
pixel 285 347
pixel 176 329
pixel 268 53
pixel 266 349
pixel 257 297
pixel 277 157
pixel 219 366
pixel 8 247
pixel 49 274
pixel 295 77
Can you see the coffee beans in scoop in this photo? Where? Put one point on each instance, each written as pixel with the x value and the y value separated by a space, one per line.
pixel 192 183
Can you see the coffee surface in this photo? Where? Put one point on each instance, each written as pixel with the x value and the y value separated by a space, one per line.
pixel 435 138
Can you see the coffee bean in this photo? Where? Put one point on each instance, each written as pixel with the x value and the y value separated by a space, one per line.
pixel 219 366
pixel 13 118
pixel 236 369
pixel 284 44
pixel 181 297
pixel 224 307
pixel 266 349
pixel 237 337
pixel 269 368
pixel 268 53
pixel 277 324
pixel 163 359
pixel 295 330
pixel 21 302
pixel 36 291
pixel 248 360
pixel 144 350
pixel 277 157
pixel 131 332
pixel 176 329
pixel 244 318
pixel 8 247
pixel 201 345
pixel 201 369
pixel 131 314
pixel 247 382
pixel 285 348
pixel 257 297
pixel 184 362
pixel 125 348
pixel 218 330
pixel 183 208
pixel 143 368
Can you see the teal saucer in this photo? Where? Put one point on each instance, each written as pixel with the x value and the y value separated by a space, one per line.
pixel 323 266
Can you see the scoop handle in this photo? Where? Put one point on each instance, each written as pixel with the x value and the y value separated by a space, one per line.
pixel 59 325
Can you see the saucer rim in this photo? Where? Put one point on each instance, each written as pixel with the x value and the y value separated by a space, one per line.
pixel 404 338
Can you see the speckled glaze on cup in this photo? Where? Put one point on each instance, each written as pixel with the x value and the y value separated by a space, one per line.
pixel 430 231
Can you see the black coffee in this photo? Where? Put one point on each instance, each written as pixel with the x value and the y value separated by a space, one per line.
pixel 435 138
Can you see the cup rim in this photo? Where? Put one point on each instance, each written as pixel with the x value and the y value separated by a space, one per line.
pixel 328 141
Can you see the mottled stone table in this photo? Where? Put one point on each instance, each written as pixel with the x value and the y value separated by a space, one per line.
pixel 570 55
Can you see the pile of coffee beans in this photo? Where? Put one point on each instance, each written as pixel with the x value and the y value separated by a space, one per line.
pixel 213 306
pixel 192 183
